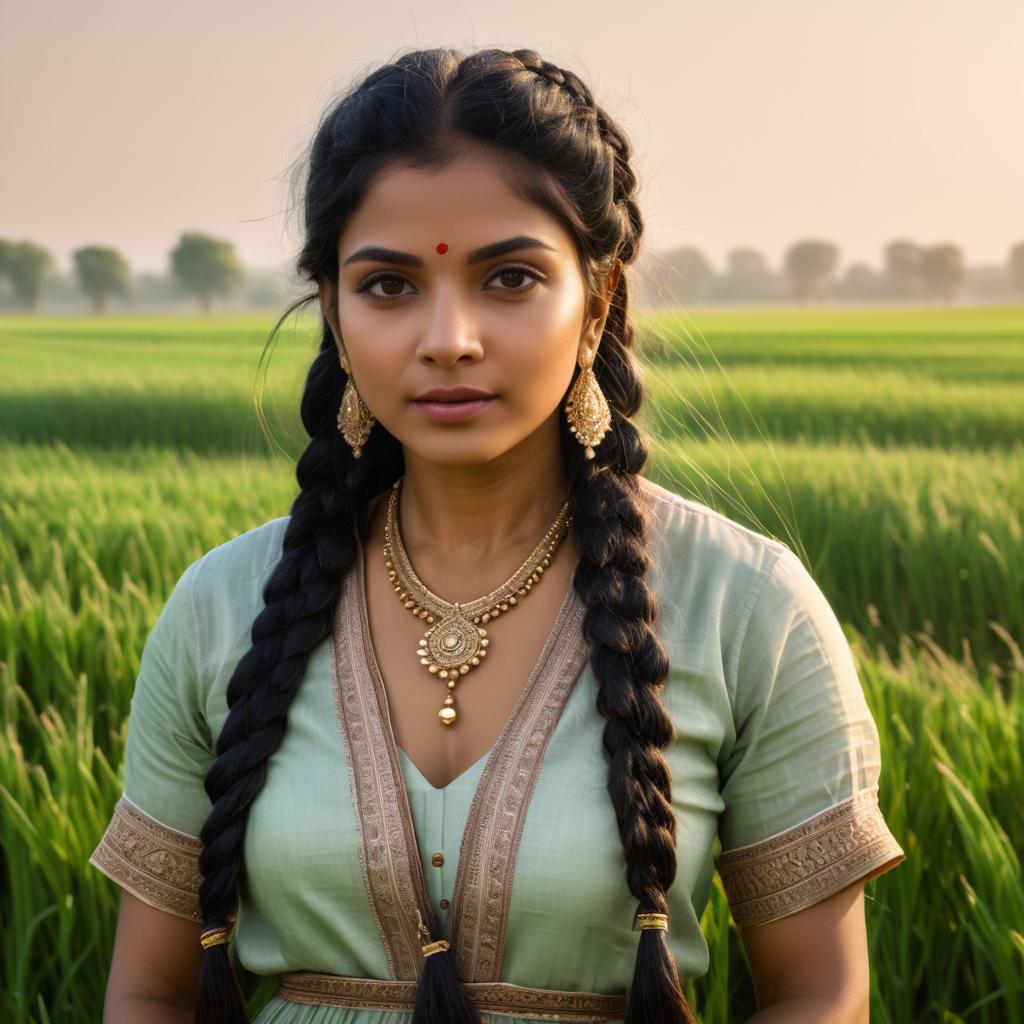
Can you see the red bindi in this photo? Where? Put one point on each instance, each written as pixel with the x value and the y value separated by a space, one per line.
pixel 442 247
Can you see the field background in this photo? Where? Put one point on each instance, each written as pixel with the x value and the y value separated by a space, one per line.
pixel 885 447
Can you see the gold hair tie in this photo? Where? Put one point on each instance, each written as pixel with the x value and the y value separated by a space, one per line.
pixel 652 921
pixel 215 937
pixel 429 948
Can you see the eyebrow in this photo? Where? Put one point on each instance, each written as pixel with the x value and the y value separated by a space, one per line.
pixel 486 252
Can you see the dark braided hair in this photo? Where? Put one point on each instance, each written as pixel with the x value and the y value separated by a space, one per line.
pixel 567 156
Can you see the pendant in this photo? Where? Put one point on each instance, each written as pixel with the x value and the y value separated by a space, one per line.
pixel 449 649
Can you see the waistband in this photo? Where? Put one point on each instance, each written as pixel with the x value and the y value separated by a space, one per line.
pixel 488 997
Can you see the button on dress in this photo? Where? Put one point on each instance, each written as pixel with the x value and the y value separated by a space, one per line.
pixel 518 861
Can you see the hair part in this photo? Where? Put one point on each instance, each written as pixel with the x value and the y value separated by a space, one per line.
pixel 562 152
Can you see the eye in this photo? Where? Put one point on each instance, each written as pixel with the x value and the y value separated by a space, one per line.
pixel 519 271
pixel 378 279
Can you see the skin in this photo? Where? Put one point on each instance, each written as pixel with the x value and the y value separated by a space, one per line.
pixel 476 498
pixel 813 965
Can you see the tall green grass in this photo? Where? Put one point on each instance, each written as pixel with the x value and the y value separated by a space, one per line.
pixel 883 448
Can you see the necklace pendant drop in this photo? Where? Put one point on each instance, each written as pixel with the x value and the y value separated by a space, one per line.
pixel 449 649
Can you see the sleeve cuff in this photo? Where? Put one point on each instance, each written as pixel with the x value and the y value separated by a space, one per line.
pixel 809 862
pixel 157 864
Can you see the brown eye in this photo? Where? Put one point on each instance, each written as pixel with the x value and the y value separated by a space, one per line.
pixel 391 279
pixel 517 272
pixel 383 280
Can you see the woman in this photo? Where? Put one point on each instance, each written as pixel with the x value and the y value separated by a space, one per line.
pixel 499 792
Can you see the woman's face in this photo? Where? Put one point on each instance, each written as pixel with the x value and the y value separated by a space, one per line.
pixel 441 312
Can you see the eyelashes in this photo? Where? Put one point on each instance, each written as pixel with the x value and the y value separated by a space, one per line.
pixel 389 275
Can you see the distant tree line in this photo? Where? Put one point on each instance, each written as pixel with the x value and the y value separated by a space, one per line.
pixel 203 268
pixel 808 273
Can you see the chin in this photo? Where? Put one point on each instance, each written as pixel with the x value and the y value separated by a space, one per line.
pixel 456 452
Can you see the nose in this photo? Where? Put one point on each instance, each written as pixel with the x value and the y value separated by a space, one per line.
pixel 451 332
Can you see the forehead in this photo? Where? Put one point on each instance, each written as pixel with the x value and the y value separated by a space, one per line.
pixel 469 202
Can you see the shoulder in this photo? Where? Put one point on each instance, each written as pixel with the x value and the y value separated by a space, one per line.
pixel 227 584
pixel 241 559
pixel 686 532
pixel 711 573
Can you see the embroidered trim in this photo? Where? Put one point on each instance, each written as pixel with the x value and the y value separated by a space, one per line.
pixel 158 864
pixel 489 997
pixel 392 872
pixel 810 861
pixel 494 827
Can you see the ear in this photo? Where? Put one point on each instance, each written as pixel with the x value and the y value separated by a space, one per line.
pixel 597 313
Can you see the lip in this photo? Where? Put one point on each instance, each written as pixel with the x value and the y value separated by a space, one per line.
pixel 459 394
pixel 449 412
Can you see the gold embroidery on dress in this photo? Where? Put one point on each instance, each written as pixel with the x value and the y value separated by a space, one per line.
pixel 158 864
pixel 311 988
pixel 394 884
pixel 810 861
pixel 490 843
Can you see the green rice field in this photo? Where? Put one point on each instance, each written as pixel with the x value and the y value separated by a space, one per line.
pixel 885 447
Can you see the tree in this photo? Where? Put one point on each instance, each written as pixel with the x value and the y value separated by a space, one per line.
pixel 902 259
pixel 942 270
pixel 25 265
pixel 747 263
pixel 747 277
pixel 859 282
pixel 808 264
pixel 102 272
pixel 206 266
pixel 1015 267
pixel 6 249
pixel 689 273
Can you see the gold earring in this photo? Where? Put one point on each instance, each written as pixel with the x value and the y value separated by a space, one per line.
pixel 587 409
pixel 355 421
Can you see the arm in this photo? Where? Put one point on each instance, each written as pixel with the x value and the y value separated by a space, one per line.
pixel 812 967
pixel 154 973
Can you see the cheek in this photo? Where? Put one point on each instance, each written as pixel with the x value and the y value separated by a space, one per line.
pixel 540 375
pixel 376 348
pixel 540 349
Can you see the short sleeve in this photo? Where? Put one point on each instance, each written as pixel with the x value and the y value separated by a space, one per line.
pixel 151 846
pixel 801 819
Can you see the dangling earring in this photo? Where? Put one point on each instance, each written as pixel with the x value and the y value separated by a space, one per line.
pixel 355 421
pixel 587 408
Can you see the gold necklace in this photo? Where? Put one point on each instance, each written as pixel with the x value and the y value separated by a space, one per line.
pixel 457 641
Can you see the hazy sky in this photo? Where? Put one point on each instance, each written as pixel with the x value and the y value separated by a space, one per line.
pixel 754 123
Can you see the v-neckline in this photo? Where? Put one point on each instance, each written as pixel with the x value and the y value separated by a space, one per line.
pixel 461 777
pixel 389 851
pixel 373 666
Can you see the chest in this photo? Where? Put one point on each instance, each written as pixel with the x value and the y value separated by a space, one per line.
pixel 484 697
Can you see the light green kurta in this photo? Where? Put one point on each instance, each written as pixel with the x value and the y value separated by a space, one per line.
pixel 775 750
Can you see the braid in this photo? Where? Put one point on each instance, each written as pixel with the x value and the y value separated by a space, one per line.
pixel 566 79
pixel 611 136
pixel 630 665
pixel 299 602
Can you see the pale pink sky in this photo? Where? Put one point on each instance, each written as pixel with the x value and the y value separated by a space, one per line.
pixel 754 123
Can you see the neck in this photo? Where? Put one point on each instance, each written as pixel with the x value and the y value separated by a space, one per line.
pixel 468 516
